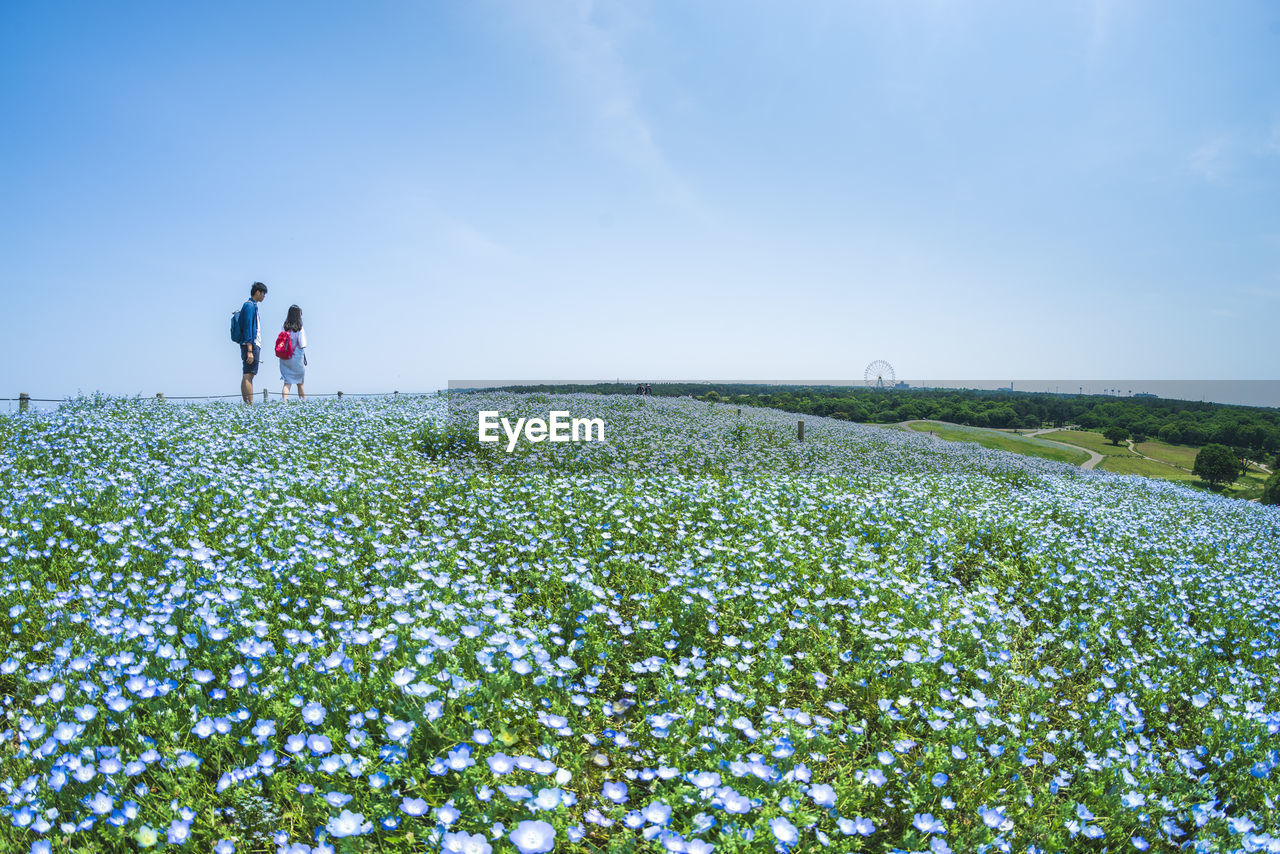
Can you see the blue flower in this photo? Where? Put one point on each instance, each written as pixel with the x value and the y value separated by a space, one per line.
pixel 533 837
pixel 179 831
pixel 784 831
pixel 547 799
pixel 926 823
pixel 348 823
pixel 459 758
pixel 465 843
pixel 657 813
pixel 994 817
pixel 823 795
pixel 413 806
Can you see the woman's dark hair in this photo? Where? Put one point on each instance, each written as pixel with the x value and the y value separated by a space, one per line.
pixel 293 320
pixel 255 287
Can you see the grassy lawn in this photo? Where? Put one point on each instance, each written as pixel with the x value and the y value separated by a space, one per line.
pixel 1001 441
pixel 1249 486
pixel 1175 455
pixel 1095 442
pixel 1169 462
pixel 1148 468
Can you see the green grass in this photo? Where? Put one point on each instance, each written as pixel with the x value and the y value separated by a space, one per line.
pixel 1183 456
pixel 1095 442
pixel 1250 486
pixel 1168 462
pixel 1147 468
pixel 1000 441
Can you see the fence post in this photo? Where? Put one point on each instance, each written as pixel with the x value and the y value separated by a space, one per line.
pixel 800 430
pixel 24 400
pixel 264 395
pixel 739 410
pixel 339 395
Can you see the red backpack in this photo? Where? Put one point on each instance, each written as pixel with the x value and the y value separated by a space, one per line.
pixel 284 344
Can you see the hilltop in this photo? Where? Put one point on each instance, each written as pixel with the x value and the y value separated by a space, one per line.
pixel 349 621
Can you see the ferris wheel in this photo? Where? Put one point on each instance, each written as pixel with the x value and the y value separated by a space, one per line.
pixel 879 374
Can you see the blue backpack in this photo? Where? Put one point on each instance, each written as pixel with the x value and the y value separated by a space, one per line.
pixel 236 327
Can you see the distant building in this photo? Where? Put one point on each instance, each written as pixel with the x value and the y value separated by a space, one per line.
pixel 1145 394
pixel 901 385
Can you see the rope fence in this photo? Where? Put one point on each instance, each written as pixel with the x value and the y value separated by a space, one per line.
pixel 24 400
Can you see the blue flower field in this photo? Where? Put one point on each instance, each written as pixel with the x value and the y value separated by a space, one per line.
pixel 347 626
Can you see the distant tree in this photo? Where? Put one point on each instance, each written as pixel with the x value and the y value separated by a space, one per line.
pixel 1194 434
pixel 1271 492
pixel 1116 434
pixel 1242 455
pixel 1216 465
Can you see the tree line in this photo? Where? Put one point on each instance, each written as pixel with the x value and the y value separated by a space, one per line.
pixel 1183 422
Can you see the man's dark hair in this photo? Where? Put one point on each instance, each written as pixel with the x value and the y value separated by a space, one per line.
pixel 255 287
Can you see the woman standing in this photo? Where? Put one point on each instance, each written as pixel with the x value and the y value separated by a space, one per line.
pixel 293 371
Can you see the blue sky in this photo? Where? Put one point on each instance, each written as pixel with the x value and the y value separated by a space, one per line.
pixel 639 190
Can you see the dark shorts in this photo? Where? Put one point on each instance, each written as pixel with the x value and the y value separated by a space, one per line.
pixel 250 369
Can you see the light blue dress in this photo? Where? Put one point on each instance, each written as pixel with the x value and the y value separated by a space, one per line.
pixel 293 371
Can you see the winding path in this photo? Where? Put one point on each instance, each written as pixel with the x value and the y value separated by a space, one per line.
pixel 1094 456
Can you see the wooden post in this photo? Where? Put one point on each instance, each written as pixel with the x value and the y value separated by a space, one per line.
pixel 739 410
pixel 24 400
pixel 800 430
pixel 339 395
pixel 264 395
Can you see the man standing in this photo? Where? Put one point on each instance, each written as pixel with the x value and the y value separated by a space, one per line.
pixel 251 340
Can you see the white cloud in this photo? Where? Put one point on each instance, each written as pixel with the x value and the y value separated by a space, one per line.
pixel 475 242
pixel 1261 293
pixel 1099 30
pixel 584 36
pixel 1209 160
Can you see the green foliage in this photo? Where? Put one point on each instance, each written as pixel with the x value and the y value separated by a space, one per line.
pixel 441 440
pixel 1116 434
pixel 1175 421
pixel 863 594
pixel 1216 465
pixel 1271 492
